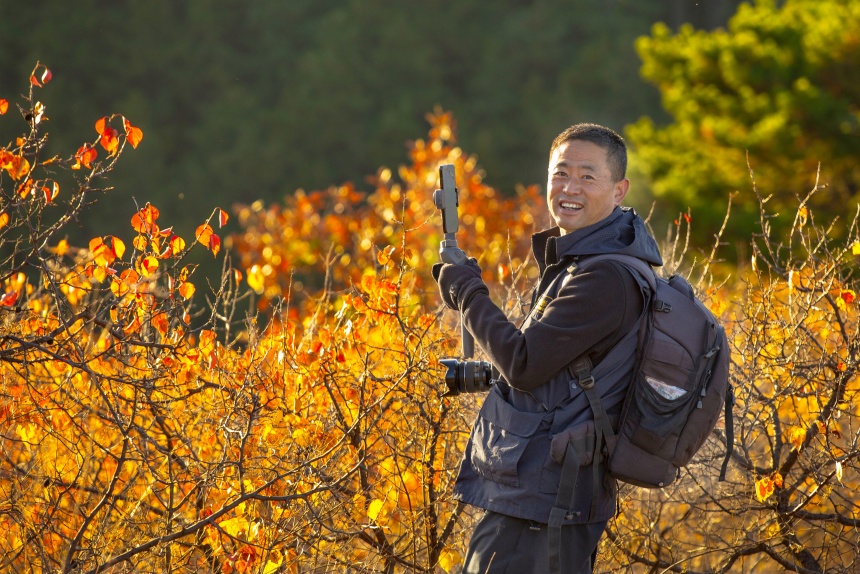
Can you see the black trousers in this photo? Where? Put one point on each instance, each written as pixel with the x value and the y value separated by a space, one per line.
pixel 505 545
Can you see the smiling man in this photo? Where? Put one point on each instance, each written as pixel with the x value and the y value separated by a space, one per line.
pixel 537 414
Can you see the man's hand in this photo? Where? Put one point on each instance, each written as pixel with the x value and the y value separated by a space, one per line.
pixel 459 283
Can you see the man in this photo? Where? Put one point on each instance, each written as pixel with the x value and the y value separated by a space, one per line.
pixel 511 466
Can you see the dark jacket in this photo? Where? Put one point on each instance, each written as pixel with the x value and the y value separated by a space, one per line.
pixel 507 467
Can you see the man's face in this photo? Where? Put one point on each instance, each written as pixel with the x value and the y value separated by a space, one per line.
pixel 580 189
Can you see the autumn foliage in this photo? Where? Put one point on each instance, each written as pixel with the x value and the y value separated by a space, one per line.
pixel 286 417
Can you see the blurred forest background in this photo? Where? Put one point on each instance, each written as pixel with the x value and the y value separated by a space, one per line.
pixel 246 101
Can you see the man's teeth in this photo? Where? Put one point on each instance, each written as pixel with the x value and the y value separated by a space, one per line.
pixel 569 205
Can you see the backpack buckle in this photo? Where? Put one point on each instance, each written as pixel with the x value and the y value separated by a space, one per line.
pixel 662 306
pixel 587 383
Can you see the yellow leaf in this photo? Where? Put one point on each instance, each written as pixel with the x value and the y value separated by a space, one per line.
pixel 272 567
pixel 855 248
pixel 449 559
pixel 256 280
pixel 147 265
pixel 187 290
pixel 62 247
pixel 796 436
pixel 763 489
pixel 374 509
pixel 839 471
pixel 235 527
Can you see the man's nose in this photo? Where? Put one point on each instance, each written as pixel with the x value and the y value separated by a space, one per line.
pixel 571 186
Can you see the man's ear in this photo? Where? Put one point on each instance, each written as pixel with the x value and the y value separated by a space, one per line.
pixel 621 190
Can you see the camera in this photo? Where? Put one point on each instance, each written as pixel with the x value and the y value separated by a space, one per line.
pixel 467 376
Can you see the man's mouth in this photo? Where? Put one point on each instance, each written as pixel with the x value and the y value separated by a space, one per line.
pixel 570 205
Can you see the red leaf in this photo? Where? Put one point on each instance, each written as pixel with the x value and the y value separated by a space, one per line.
pixel 51 192
pixel 4 106
pixel 222 218
pixel 8 299
pixel 214 244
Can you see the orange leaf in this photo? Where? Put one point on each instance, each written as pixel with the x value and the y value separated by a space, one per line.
pixel 222 218
pixel 4 219
pixel 133 134
pixel 25 189
pixel 101 124
pixel 110 140
pixel 16 165
pixel 161 323
pixel 187 290
pixel 85 155
pixel 4 106
pixel 203 233
pixel 117 246
pixel 144 220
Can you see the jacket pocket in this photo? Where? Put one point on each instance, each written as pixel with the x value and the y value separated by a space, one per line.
pixel 500 437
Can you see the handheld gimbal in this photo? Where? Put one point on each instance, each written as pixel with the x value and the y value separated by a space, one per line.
pixel 462 376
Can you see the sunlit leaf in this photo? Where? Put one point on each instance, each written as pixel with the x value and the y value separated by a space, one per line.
pixel 109 140
pixel 177 244
pixel 203 233
pixel 256 280
pixel 161 323
pixel 144 220
pixel 449 560
pixel 186 290
pixel 147 265
pixel 4 219
pixel 4 106
pixel 8 299
pixel 133 134
pixel 52 192
pixel 222 218
pixel 85 155
pixel 214 244
pixel 796 436
pixel 375 509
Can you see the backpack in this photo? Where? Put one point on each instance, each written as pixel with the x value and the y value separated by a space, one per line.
pixel 680 384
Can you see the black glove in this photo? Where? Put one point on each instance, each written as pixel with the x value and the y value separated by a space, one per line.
pixel 459 283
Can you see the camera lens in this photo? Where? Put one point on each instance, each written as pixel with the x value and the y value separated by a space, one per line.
pixel 467 376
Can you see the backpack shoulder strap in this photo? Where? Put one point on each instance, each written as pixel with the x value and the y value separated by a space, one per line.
pixel 643 269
